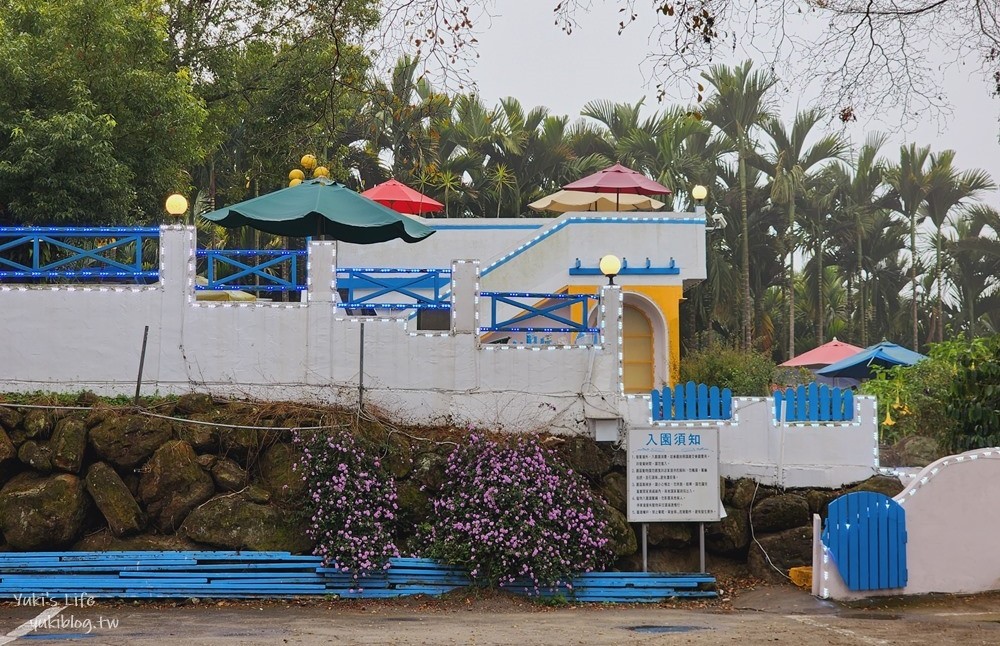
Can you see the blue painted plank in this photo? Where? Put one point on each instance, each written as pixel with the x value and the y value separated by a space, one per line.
pixel 779 398
pixel 848 405
pixel 679 411
pixel 690 400
pixel 825 410
pixel 727 404
pixel 837 405
pixel 655 404
pixel 861 530
pixel 714 403
pixel 812 402
pixel 703 402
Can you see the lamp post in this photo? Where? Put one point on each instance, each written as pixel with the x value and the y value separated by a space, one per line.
pixel 176 205
pixel 610 266
pixel 309 165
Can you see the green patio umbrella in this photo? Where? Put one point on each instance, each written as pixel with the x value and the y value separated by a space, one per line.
pixel 320 207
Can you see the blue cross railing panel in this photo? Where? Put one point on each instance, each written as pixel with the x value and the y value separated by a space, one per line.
pixel 79 254
pixel 264 270
pixel 691 401
pixel 866 535
pixel 538 312
pixel 394 288
pixel 814 403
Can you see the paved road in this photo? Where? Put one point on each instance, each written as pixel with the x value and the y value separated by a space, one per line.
pixel 767 616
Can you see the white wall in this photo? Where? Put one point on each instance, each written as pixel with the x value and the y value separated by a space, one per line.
pixel 70 338
pixel 536 254
pixel 951 528
pixel 754 444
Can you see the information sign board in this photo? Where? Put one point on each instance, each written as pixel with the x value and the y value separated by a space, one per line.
pixel 673 474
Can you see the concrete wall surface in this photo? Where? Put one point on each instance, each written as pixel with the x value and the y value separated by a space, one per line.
pixel 756 445
pixel 951 527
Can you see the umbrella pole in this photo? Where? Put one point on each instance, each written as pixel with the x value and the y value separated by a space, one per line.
pixel 361 368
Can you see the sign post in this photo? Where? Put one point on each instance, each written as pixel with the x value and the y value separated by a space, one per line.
pixel 673 477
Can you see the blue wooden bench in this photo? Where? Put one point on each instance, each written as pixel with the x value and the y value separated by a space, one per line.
pixel 814 403
pixel 691 401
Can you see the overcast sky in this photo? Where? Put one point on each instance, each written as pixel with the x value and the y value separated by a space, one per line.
pixel 525 55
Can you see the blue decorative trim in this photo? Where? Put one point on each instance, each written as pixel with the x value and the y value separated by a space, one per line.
pixel 588 220
pixel 226 259
pixel 377 282
pixel 547 312
pixel 56 253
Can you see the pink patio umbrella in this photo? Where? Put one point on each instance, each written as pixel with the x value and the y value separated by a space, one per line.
pixel 401 198
pixel 823 355
pixel 618 179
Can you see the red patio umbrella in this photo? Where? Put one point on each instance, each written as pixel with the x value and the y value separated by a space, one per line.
pixel 618 179
pixel 824 355
pixel 401 198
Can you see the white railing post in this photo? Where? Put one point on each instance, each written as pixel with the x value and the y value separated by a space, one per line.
pixel 465 296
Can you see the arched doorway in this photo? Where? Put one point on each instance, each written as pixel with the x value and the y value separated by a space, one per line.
pixel 638 360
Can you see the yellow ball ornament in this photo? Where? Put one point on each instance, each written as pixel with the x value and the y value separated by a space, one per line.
pixel 296 174
pixel 295 181
pixel 321 171
pixel 308 162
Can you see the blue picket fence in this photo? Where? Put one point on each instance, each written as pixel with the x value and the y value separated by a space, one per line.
pixel 866 535
pixel 692 401
pixel 814 403
pixel 228 574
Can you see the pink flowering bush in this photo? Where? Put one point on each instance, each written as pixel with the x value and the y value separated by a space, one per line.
pixel 511 512
pixel 352 502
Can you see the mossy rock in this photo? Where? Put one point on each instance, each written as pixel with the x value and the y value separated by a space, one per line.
pixel 278 475
pixel 231 522
pixel 623 541
pixel 887 485
pixel 779 513
pixel 584 456
pixel 128 441
pixel 37 424
pixel 414 505
pixel 114 500
pixel 68 444
pixel 9 418
pixel 35 455
pixel 42 512
pixel 173 484
pixel 195 403
pixel 105 541
pixel 731 535
pixel 613 490
pixel 228 475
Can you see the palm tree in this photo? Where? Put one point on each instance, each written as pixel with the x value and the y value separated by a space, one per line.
pixel 948 189
pixel 909 181
pixel 737 108
pixel 861 194
pixel 975 266
pixel 788 164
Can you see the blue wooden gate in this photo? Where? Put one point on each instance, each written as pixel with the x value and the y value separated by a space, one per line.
pixel 866 535
pixel 692 401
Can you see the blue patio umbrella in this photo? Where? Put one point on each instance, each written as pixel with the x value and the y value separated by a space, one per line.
pixel 859 366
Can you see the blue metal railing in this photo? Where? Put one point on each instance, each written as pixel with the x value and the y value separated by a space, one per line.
pixel 79 253
pixel 274 270
pixel 419 289
pixel 566 312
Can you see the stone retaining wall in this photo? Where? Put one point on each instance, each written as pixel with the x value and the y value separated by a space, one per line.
pixel 184 475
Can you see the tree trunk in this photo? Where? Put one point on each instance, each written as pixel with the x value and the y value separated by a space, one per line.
pixel 820 314
pixel 791 279
pixel 913 277
pixel 940 309
pixel 744 208
pixel 861 293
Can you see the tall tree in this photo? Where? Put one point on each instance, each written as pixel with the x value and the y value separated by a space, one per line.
pixel 948 189
pixel 788 163
pixel 738 107
pixel 94 129
pixel 909 180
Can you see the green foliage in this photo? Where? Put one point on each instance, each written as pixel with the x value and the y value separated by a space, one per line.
pixel 974 398
pixel 748 374
pixel 914 400
pixel 95 128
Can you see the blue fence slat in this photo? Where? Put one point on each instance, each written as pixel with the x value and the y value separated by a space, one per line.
pixel 715 403
pixel 691 400
pixel 702 399
pixel 656 404
pixel 848 405
pixel 826 412
pixel 837 405
pixel 680 412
